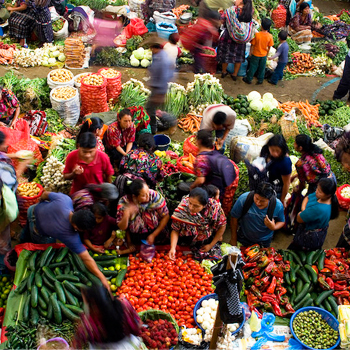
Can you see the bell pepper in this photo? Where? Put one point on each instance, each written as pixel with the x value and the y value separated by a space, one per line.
pixel 255 291
pixel 272 286
pixel 269 267
pixel 336 252
pixel 250 299
pixel 346 301
pixel 264 261
pixel 266 281
pixel 330 282
pixel 338 286
pixel 323 283
pixel 256 257
pixel 343 294
pixel 278 257
pixel 249 265
pixel 277 272
pixel 255 271
pixel 252 250
pixel 326 271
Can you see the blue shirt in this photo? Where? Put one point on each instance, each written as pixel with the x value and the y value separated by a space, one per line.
pixel 252 224
pixel 277 169
pixel 316 215
pixel 282 52
pixel 52 219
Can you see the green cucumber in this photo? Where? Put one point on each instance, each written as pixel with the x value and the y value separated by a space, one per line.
pixel 71 299
pixel 287 278
pixel 295 257
pixel 60 264
pixel 31 261
pixel 41 302
pixel 301 302
pixel 108 273
pixel 61 255
pixel 289 290
pixel 333 304
pixel 30 281
pixel 56 310
pixel 316 256
pixel 312 273
pixel 119 279
pixel 320 261
pixel 311 289
pixel 34 316
pixel 302 256
pixel 314 295
pixel 323 296
pixel 50 257
pixel 76 309
pixel 104 257
pixel 326 305
pixel 308 302
pixel 107 263
pixel 66 270
pixel 26 308
pixel 45 294
pixel 293 272
pixel 60 292
pixel 34 296
pixel 68 278
pixel 48 284
pixel 68 313
pixel 49 274
pixel 71 288
pixel 79 263
pixel 95 280
pixel 310 257
pixel 303 275
pixel 292 298
pixel 299 285
pixel 44 256
pixel 22 286
pixel 81 277
pixel 79 285
pixel 38 279
pixel 303 292
pixel 42 312
pixel 57 271
pixel 49 312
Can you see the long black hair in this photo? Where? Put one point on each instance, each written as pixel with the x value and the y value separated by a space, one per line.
pixel 200 194
pixel 328 187
pixel 135 187
pixel 90 125
pixel 305 142
pixel 277 141
pixel 146 141
pixel 246 14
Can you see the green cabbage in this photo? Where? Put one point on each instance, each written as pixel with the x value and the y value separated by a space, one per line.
pixel 207 264
pixel 256 105
pixel 253 95
pixel 225 248
pixel 139 53
pixel 134 61
pixel 145 63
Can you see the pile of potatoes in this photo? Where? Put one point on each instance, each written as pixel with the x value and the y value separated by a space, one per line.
pixel 93 79
pixel 28 189
pixel 61 75
pixel 64 93
pixel 109 73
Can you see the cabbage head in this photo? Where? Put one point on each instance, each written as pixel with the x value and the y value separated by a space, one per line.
pixel 256 105
pixel 139 53
pixel 253 95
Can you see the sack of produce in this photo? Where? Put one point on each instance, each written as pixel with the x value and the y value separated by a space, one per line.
pixel 65 101
pixel 135 6
pixel 279 16
pixel 60 77
pixel 29 194
pixel 60 29
pixel 93 92
pixel 114 82
pixel 190 146
pixel 343 195
pixel 185 165
pixel 37 122
pixel 289 128
pixel 165 29
pixel 78 78
pixel 165 17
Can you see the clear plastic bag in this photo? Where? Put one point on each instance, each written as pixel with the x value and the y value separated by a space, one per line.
pixel 147 251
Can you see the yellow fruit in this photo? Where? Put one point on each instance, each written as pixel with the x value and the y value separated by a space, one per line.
pixel 107 252
pixel 113 288
pixel 3 296
pixel 111 268
pixel 123 267
pixel 4 279
pixel 113 280
pixel 109 282
pixel 117 266
pixel 7 291
pixel 105 268
pixel 95 255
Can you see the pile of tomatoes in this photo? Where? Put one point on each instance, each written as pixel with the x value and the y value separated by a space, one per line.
pixel 171 286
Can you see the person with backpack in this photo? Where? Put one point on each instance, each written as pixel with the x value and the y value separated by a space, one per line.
pixel 211 167
pixel 255 216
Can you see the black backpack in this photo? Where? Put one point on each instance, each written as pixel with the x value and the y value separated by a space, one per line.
pixel 250 200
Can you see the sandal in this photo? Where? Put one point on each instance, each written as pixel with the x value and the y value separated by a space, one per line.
pixel 233 77
pixel 223 74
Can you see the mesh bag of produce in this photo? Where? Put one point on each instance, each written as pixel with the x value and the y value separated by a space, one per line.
pixel 114 82
pixel 279 16
pixel 344 202
pixel 93 92
pixel 190 146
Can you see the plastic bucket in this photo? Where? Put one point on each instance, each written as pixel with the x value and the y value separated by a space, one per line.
pixel 162 142
pixel 64 344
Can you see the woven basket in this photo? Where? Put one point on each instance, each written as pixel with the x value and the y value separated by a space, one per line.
pixel 209 61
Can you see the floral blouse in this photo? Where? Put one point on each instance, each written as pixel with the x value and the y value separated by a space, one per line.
pixel 8 106
pixel 202 225
pixel 144 164
pixel 202 166
pixel 149 215
pixel 311 168
pixel 118 137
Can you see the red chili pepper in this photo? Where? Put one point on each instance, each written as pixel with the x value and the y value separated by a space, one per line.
pixel 259 314
pixel 315 268
pixel 250 299
pixel 256 257
pixel 272 286
pixel 338 286
pixel 264 261
pixel 333 268
pixel 343 294
pixel 255 271
pixel 277 271
pixel 326 271
pixel 342 282
pixel 281 291
pixel 268 298
pixel 269 267
pixel 341 268
pixel 255 291
pixel 330 282
pixel 289 307
pixel 345 301
pixel 249 265
pixel 246 274
pixel 323 283
pixel 252 250
pixel 329 262
pixel 276 309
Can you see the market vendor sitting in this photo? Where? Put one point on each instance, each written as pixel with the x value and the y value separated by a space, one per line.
pixel 87 165
pixel 54 219
pixel 143 214
pixel 119 137
pixel 255 216
pixel 300 25
pixel 9 108
pixel 199 222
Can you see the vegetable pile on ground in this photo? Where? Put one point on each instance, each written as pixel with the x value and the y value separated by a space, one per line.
pixel 170 286
pixel 263 274
pixel 134 93
pixel 310 112
pixel 301 63
pixel 176 100
pixel 240 104
pixel 191 123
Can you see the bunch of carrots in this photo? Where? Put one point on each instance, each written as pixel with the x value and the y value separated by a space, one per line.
pixel 310 112
pixel 302 63
pixel 191 123
pixel 178 11
pixel 332 18
pixel 6 55
pixel 188 161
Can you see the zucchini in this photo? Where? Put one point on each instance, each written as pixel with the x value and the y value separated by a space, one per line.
pixel 303 275
pixel 333 304
pixel 31 261
pixel 60 264
pixel 326 305
pixel 34 297
pixel 49 274
pixel 299 285
pixel 93 278
pixel 71 299
pixel 57 271
pixel 26 308
pixel 45 294
pixel 295 257
pixel 310 257
pixel 293 272
pixel 44 256
pixel 312 273
pixel 120 277
pixel 79 285
pixel 303 292
pixel 30 281
pixel 68 278
pixel 302 255
pixel 68 313
pixel 48 284
pixel 38 279
pixel 56 310
pixel 320 261
pixel 41 303
pixel 49 312
pixel 287 278
pixel 61 255
pixel 76 309
pixel 79 263
pixel 60 292
pixel 302 301
pixel 308 302
pixel 22 286
pixel 323 296
pixel 34 316
pixel 71 288
pixel 71 262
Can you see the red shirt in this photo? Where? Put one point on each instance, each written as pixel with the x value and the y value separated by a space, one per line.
pixel 93 173
pixel 102 232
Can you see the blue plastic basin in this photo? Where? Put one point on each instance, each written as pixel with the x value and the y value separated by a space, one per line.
pixel 162 142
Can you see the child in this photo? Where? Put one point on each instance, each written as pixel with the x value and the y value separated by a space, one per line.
pixel 104 230
pixel 120 245
pixel 259 51
pixel 172 49
pixel 213 192
pixel 282 54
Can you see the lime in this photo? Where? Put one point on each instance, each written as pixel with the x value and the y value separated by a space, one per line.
pixel 4 279
pixel 3 296
pixel 2 284
pixel 6 291
pixel 113 287
pixel 113 280
pixel 105 268
pixel 114 252
pixel 123 266
pixel 107 252
pixel 95 255
pixel 109 282
pixel 117 266
pixel 111 268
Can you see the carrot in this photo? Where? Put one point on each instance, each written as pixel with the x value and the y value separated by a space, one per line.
pixel 191 158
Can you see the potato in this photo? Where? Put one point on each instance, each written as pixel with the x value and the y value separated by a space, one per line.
pixel 109 73
pixel 61 75
pixel 64 93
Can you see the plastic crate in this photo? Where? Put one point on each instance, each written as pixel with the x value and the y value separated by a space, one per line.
pixel 327 316
pixel 215 296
